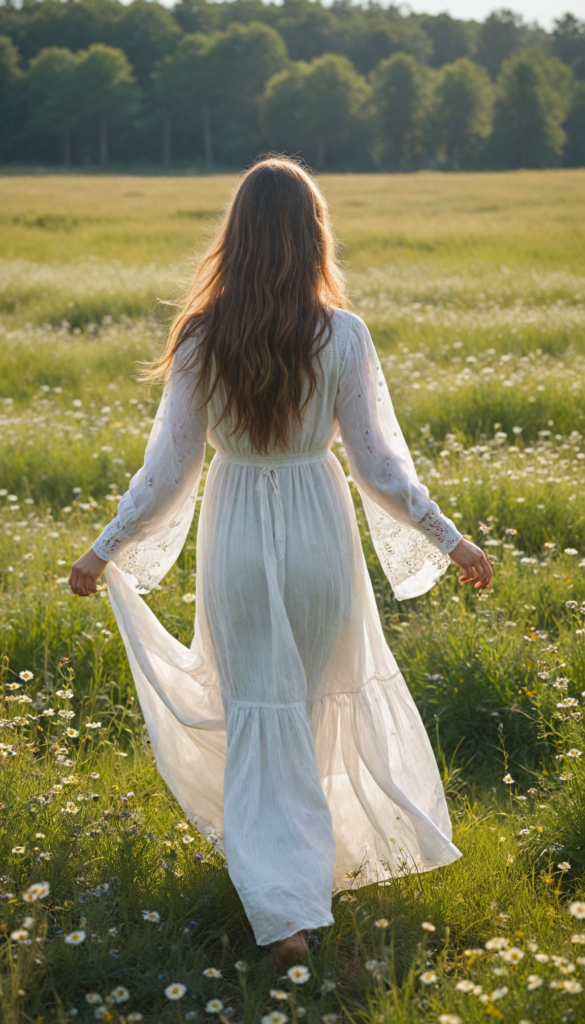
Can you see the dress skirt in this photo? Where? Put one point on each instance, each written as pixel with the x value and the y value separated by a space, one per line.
pixel 287 732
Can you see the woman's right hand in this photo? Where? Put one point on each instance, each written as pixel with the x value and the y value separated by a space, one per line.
pixel 474 565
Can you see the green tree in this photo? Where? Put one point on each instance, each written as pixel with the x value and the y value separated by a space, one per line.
pixel 498 37
pixel 533 96
pixel 401 88
pixel 381 37
pixel 574 126
pixel 451 38
pixel 568 43
pixel 9 80
pixel 52 96
pixel 321 109
pixel 209 88
pixel 146 32
pixel 106 92
pixel 462 110
pixel 238 64
pixel 183 91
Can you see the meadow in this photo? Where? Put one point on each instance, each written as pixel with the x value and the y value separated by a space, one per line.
pixel 112 905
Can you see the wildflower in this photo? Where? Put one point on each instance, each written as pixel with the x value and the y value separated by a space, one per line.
pixel 328 985
pixel 19 849
pixel 382 922
pixel 276 1017
pixel 182 826
pixel 75 938
pixel 428 927
pixel 151 915
pixel 94 775
pixel 299 974
pixel 498 993
pixel 542 958
pixel 70 808
pixel 134 1017
pixel 212 972
pixel 66 714
pixel 93 998
pixel 533 982
pixel 577 909
pixel 26 676
pixel 188 839
pixel 20 935
pixel 465 986
pixel 498 943
pixel 65 693
pixel 14 686
pixel 571 551
pixel 329 1018
pixel 512 955
pixel 473 952
pixel 568 702
pixel 508 779
pixel 119 994
pixel 177 991
pixel 579 939
pixel 213 1006
pixel 564 866
pixel 240 965
pixel 428 978
pixel 103 1013
pixel 449 1018
pixel 73 733
pixel 572 986
pixel 371 965
pixel 188 598
pixel 278 993
pixel 347 898
pixel 574 752
pixel 37 891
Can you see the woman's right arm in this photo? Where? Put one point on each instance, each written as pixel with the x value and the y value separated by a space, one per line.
pixel 381 465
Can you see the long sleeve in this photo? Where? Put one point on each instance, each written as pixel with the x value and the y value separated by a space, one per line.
pixel 156 511
pixel 411 535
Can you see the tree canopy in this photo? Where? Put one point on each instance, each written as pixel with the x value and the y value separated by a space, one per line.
pixel 212 84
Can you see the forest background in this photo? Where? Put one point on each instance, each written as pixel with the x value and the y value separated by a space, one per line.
pixel 206 86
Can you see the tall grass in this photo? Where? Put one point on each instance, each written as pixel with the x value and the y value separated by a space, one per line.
pixel 483 350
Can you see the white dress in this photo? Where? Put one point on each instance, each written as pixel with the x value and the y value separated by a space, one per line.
pixel 286 731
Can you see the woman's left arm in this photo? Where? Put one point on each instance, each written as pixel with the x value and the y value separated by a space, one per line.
pixel 172 465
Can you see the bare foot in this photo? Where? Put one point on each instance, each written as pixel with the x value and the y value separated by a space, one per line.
pixel 289 951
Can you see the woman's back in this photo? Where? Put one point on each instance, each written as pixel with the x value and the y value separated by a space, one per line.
pixel 318 427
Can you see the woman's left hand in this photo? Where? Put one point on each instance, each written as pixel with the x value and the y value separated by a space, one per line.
pixel 85 573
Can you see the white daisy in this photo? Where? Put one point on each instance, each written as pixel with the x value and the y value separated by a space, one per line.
pixel 175 991
pixel 299 975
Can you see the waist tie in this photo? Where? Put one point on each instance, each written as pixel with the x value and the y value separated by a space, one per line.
pixel 273 533
pixel 282 461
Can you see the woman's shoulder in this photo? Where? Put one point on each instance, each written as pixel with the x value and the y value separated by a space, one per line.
pixel 348 330
pixel 345 323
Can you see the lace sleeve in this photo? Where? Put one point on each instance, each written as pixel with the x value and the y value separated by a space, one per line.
pixel 411 535
pixel 156 511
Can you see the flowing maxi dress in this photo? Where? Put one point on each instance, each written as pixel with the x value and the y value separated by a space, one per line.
pixel 286 731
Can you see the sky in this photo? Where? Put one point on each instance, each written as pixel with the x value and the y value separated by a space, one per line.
pixel 542 11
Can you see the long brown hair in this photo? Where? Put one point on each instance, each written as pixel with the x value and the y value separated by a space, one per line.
pixel 260 304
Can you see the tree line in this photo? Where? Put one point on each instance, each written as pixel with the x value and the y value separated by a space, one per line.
pixel 205 84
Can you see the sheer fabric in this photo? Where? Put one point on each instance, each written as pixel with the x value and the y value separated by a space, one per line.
pixel 286 731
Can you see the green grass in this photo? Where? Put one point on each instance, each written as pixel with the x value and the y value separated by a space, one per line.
pixel 474 293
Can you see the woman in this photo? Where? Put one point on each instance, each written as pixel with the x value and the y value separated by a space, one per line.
pixel 286 731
